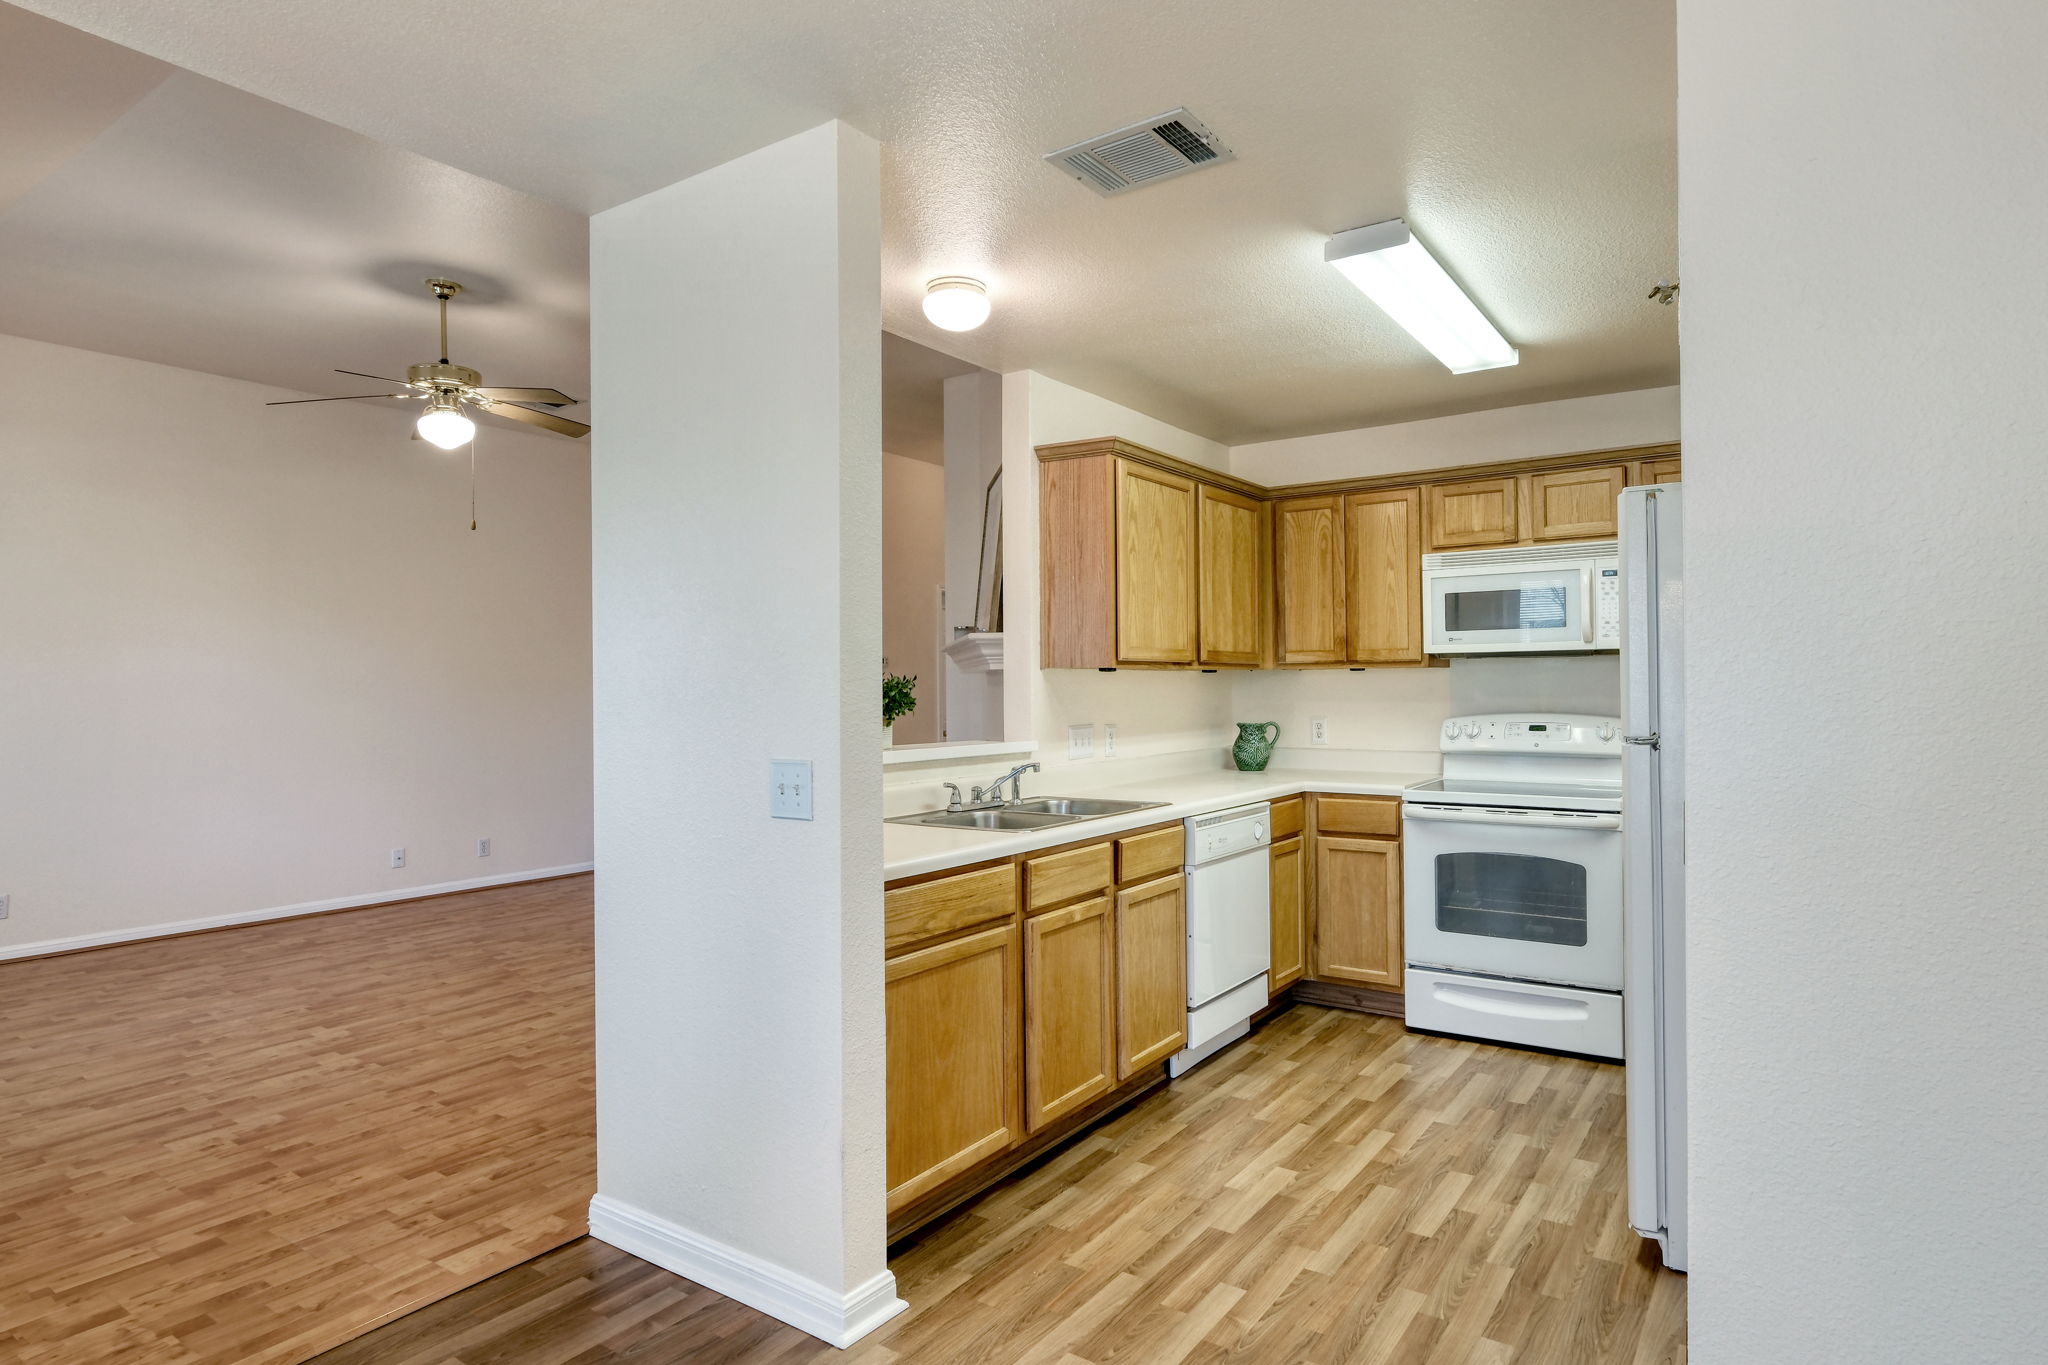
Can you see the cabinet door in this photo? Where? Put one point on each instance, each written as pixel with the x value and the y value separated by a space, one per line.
pixel 1229 617
pixel 953 1059
pixel 1069 1010
pixel 1383 584
pixel 1290 920
pixel 1155 566
pixel 1476 512
pixel 1578 504
pixel 1358 911
pixel 1308 534
pixel 1663 469
pixel 1151 974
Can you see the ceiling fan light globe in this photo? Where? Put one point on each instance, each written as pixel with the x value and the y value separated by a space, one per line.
pixel 446 428
pixel 956 303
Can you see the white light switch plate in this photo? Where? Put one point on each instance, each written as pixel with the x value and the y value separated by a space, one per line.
pixel 1319 730
pixel 1080 741
pixel 789 796
pixel 1109 739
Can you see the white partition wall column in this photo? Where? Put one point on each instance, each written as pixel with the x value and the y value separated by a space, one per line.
pixel 736 546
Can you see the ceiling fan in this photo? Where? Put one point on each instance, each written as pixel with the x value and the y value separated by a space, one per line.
pixel 449 388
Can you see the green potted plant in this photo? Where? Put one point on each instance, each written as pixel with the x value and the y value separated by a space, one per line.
pixel 899 699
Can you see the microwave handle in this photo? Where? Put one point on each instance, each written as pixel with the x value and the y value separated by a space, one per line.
pixel 1586 601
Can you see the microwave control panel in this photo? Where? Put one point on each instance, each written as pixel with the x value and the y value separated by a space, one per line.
pixel 1607 606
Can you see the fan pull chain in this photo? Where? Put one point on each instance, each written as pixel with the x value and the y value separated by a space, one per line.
pixel 472 481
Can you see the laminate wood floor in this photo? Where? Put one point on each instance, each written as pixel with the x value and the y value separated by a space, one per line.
pixel 250 1145
pixel 1335 1191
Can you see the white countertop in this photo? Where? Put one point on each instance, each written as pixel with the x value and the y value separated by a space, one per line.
pixel 908 850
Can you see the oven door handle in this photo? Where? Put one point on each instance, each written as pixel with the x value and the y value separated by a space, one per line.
pixel 1523 819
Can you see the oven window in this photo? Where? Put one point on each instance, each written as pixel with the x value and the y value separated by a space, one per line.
pixel 1511 895
pixel 1525 608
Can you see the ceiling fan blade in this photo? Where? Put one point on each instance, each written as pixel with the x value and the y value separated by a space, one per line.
pixel 345 398
pixel 553 398
pixel 381 379
pixel 538 419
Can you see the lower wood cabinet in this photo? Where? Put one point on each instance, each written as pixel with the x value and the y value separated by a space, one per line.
pixel 1151 973
pixel 953 1054
pixel 1290 914
pixel 1358 910
pixel 1069 1009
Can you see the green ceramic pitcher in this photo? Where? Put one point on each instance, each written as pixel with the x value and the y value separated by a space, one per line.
pixel 1254 747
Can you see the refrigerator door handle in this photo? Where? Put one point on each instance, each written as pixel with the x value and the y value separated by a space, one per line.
pixel 1650 740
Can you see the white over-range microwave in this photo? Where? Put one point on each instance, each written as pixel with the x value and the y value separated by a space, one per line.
pixel 1525 599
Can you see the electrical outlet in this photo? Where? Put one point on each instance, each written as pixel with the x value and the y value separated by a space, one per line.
pixel 789 789
pixel 4 899
pixel 483 848
pixel 1109 739
pixel 1319 730
pixel 398 857
pixel 1081 741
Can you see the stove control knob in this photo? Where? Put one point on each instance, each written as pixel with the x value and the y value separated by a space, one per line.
pixel 1472 729
pixel 1450 729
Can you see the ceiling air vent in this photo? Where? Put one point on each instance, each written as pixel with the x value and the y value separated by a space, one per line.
pixel 1172 144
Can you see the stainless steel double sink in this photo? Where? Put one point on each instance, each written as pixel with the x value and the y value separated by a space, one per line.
pixel 1038 812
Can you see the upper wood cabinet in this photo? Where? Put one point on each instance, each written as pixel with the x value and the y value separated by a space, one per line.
pixel 1473 514
pixel 1151 973
pixel 1662 469
pixel 1231 546
pixel 1142 566
pixel 1155 566
pixel 953 1059
pixel 1358 910
pixel 1289 914
pixel 1069 1009
pixel 1383 585
pixel 1308 536
pixel 1577 504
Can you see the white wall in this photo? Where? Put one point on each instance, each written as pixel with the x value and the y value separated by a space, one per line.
pixel 913 571
pixel 1603 422
pixel 974 707
pixel 1860 210
pixel 248 651
pixel 736 489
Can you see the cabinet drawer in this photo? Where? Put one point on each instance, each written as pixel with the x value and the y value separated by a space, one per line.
pixel 1150 855
pixel 1287 818
pixel 912 914
pixel 1378 815
pixel 1061 877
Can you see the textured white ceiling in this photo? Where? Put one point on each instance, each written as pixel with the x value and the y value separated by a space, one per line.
pixel 1529 141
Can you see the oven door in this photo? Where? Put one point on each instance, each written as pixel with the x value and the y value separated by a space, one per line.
pixel 1534 895
pixel 1524 609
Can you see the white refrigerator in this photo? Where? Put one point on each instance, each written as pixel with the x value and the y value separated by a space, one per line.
pixel 1653 860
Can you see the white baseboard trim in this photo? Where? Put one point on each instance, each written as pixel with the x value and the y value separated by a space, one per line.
pixel 388 896
pixel 803 1303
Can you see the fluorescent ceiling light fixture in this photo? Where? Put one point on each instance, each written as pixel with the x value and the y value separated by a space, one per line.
pixel 956 303
pixel 1397 272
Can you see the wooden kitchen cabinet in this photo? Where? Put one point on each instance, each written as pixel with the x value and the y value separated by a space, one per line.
pixel 1069 1009
pixel 1231 547
pixel 1156 599
pixel 1358 910
pixel 1577 504
pixel 953 1058
pixel 1383 579
pixel 1662 469
pixel 1308 537
pixel 1474 514
pixel 1151 973
pixel 1290 914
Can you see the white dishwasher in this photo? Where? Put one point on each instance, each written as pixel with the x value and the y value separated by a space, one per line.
pixel 1230 928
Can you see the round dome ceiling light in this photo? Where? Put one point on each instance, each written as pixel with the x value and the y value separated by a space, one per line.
pixel 956 303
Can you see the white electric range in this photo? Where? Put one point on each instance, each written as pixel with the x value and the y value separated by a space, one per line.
pixel 1512 890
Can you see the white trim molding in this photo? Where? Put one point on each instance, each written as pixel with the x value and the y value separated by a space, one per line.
pixel 389 896
pixel 834 1318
